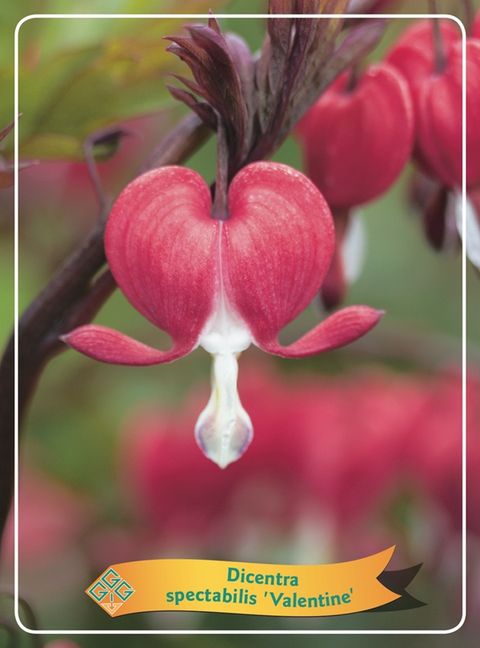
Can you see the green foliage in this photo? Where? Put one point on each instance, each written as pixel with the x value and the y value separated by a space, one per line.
pixel 77 75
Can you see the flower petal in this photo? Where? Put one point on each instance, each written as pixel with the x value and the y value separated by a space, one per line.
pixel 341 328
pixel 354 247
pixel 348 259
pixel 350 154
pixel 224 430
pixel 159 242
pixel 277 245
pixel 437 100
pixel 107 345
pixel 439 119
pixel 413 54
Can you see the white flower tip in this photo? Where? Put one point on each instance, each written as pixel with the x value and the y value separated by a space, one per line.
pixel 472 221
pixel 223 442
pixel 224 429
pixel 354 247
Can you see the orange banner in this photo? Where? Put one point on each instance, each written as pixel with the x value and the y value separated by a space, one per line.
pixel 245 588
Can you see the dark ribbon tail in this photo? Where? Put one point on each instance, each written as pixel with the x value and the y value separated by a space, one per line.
pixel 397 581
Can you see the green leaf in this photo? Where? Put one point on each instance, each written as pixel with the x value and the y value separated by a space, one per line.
pixel 79 75
pixel 52 146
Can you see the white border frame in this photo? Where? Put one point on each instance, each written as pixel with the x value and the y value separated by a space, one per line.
pixel 187 17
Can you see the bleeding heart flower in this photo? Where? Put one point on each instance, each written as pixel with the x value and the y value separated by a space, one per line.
pixel 357 140
pixel 352 155
pixel 439 129
pixel 221 284
pixel 436 88
pixel 414 52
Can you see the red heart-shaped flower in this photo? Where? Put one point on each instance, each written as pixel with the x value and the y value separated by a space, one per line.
pixel 221 284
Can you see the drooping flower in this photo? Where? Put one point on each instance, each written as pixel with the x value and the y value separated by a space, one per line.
pixel 439 129
pixel 432 66
pixel 414 53
pixel 221 284
pixel 436 89
pixel 356 140
pixel 438 100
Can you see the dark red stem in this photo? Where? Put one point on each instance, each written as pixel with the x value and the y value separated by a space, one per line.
pixel 440 56
pixel 220 203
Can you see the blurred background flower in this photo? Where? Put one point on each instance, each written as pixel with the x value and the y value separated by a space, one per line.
pixel 339 472
pixel 340 467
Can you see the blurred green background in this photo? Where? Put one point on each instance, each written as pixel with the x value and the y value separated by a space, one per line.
pixel 77 75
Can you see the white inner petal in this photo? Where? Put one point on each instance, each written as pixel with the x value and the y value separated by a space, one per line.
pixel 472 240
pixel 354 247
pixel 225 332
pixel 224 430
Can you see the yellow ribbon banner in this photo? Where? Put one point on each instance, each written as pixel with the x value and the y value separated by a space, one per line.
pixel 248 588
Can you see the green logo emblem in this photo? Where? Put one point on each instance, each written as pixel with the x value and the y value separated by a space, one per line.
pixel 110 591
